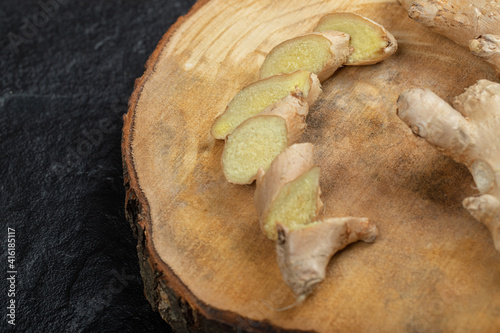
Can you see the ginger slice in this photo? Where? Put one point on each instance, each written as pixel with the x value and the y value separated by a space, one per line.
pixel 258 140
pixel 469 133
pixel 252 145
pixel 289 192
pixel 295 205
pixel 370 41
pixel 321 53
pixel 254 98
pixel 303 252
pixel 287 200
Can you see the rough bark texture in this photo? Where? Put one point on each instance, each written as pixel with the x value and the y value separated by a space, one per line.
pixel 167 294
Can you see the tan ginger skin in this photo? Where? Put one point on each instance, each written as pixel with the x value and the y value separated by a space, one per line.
pixel 468 132
pixel 303 254
pixel 473 24
pixel 339 49
pixel 487 47
pixel 294 109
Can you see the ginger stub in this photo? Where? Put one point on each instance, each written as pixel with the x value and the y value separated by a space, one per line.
pixel 303 253
pixel 371 42
pixel 258 140
pixel 469 133
pixel 254 98
pixel 321 53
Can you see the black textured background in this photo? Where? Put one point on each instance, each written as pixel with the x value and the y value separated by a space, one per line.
pixel 67 69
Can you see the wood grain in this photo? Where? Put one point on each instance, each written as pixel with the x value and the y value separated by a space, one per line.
pixel 205 263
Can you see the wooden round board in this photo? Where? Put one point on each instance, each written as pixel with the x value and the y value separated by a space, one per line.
pixel 205 263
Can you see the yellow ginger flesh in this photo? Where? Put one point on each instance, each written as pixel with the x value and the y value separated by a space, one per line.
pixel 255 97
pixel 255 143
pixel 366 38
pixel 295 205
pixel 310 53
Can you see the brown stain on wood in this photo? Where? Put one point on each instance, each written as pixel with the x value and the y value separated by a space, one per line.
pixel 205 263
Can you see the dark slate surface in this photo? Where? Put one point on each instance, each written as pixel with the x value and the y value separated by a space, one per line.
pixel 66 75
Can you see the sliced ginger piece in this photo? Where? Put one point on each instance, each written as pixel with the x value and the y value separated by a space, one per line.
pixel 303 251
pixel 289 192
pixel 287 200
pixel 295 205
pixel 370 41
pixel 252 145
pixel 258 140
pixel 254 98
pixel 321 53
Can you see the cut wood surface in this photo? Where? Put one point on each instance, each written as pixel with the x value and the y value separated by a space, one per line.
pixel 207 266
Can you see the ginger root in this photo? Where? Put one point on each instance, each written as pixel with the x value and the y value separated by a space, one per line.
pixel 473 24
pixel 287 200
pixel 488 48
pixel 258 140
pixel 469 133
pixel 321 53
pixel 370 41
pixel 254 98
pixel 289 192
pixel 303 252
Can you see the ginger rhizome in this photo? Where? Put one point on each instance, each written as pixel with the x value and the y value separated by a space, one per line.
pixel 258 140
pixel 487 47
pixel 254 98
pixel 289 191
pixel 287 200
pixel 468 132
pixel 319 53
pixel 303 252
pixel 371 42
pixel 473 24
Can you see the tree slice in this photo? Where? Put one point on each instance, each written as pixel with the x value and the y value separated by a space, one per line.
pixel 206 265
